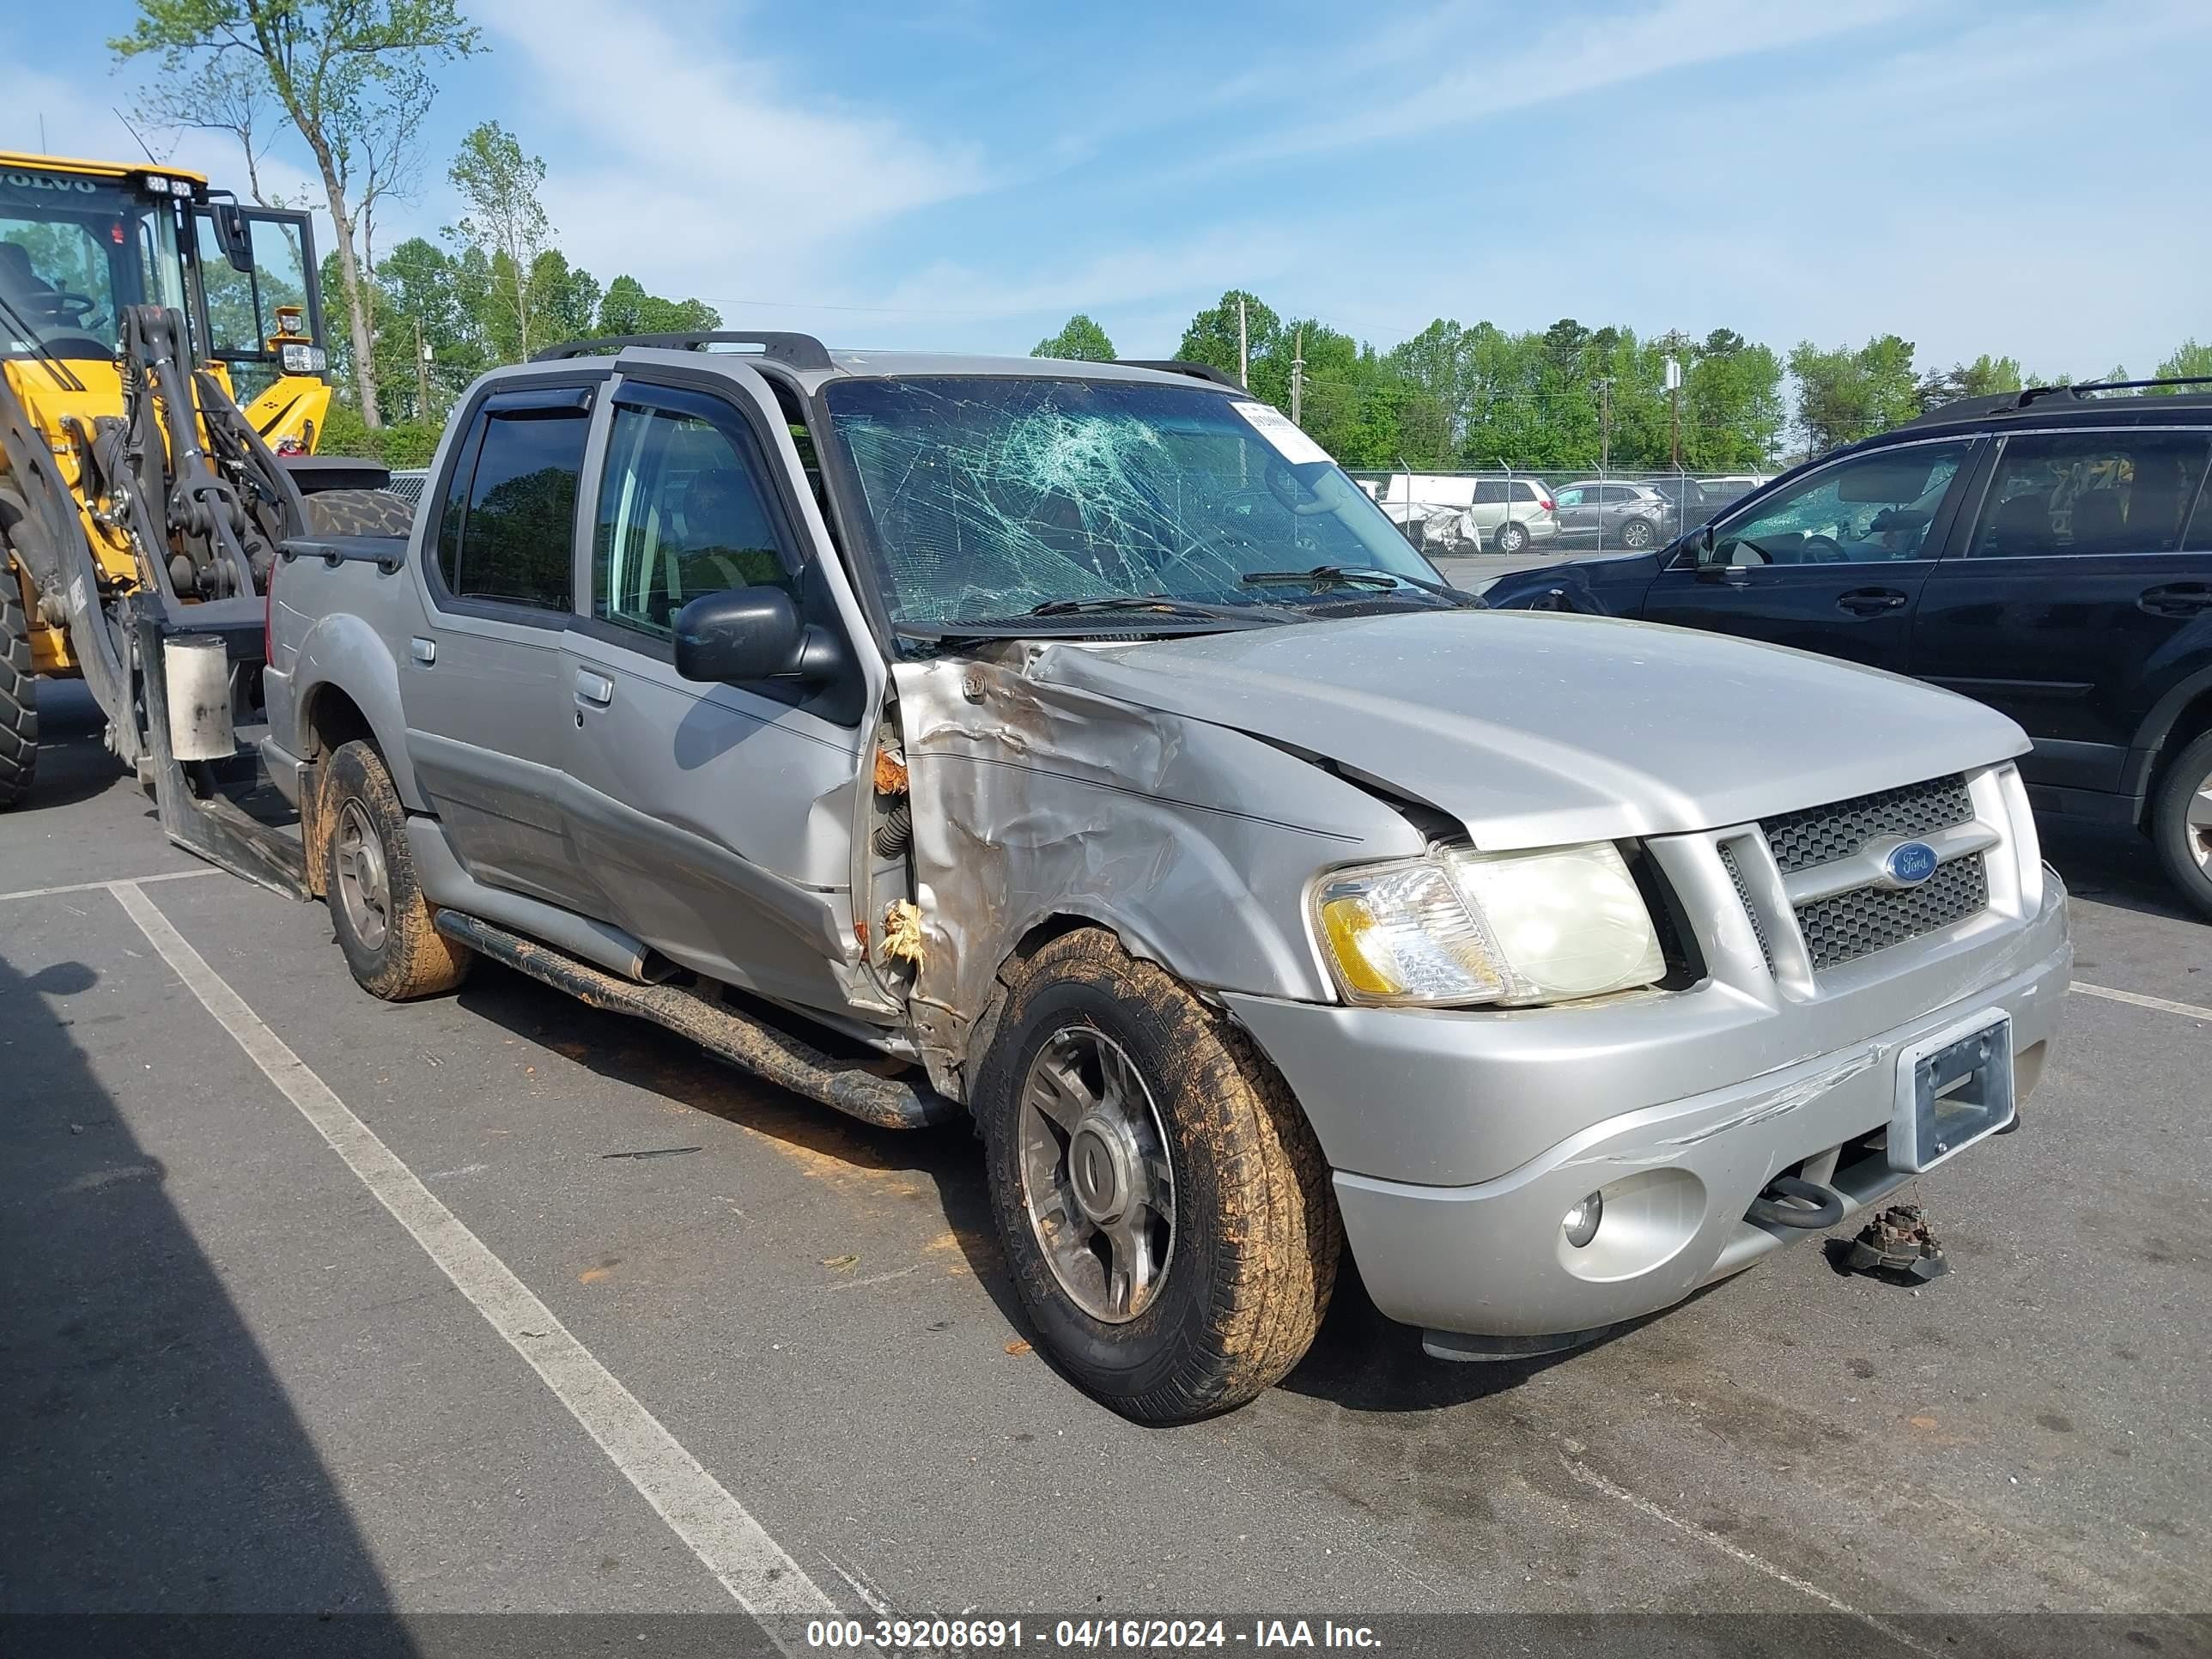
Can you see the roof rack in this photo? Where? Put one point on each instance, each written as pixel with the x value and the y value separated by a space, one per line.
pixel 796 350
pixel 1179 366
pixel 2007 403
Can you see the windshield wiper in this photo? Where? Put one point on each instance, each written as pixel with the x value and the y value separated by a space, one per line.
pixel 1351 575
pixel 63 376
pixel 1164 602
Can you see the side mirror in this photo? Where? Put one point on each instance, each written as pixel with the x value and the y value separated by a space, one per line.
pixel 230 230
pixel 751 634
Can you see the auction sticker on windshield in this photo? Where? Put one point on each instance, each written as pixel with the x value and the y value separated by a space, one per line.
pixel 1271 423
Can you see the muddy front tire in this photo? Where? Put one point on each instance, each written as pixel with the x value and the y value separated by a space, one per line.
pixel 1166 1209
pixel 18 696
pixel 377 909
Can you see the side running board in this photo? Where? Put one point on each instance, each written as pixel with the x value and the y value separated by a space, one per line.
pixel 790 1062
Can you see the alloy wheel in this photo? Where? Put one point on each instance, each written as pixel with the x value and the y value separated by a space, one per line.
pixel 1096 1178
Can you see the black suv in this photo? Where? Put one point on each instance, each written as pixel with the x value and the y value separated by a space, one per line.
pixel 2048 551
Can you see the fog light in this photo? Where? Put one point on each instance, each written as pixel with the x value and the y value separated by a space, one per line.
pixel 1581 1223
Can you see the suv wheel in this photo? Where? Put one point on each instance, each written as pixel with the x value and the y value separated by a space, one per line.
pixel 1512 536
pixel 1164 1207
pixel 382 923
pixel 1638 533
pixel 2181 822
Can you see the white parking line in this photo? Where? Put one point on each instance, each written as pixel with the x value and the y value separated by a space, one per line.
pixel 1590 1478
pixel 95 886
pixel 751 1565
pixel 2187 1010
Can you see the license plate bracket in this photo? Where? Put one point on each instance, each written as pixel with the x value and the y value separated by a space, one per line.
pixel 1954 1088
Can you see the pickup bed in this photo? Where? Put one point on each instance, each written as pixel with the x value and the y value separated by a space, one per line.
pixel 1073 748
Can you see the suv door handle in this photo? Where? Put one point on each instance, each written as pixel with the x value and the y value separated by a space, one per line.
pixel 596 690
pixel 2176 599
pixel 1870 601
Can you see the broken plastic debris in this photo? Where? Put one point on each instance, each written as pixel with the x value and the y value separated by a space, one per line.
pixel 1897 1244
pixel 902 932
pixel 838 1264
pixel 1017 1346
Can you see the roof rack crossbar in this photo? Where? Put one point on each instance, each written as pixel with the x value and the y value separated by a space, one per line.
pixel 1182 366
pixel 2137 385
pixel 797 351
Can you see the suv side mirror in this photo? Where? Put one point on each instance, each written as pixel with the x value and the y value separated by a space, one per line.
pixel 751 634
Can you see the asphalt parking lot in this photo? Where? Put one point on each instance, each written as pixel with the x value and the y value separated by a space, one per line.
pixel 248 1367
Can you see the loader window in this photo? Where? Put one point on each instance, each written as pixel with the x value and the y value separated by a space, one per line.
pixel 509 540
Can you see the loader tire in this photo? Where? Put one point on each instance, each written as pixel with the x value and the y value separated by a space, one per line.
pixel 358 512
pixel 1109 1091
pixel 377 909
pixel 18 696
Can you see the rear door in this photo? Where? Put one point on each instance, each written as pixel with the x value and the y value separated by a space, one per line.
pixel 716 821
pixel 482 684
pixel 2079 592
pixel 1577 507
pixel 1833 564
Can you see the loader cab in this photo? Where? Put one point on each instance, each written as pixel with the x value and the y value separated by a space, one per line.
pixel 81 241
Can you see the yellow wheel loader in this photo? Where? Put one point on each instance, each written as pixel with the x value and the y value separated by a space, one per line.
pixel 161 392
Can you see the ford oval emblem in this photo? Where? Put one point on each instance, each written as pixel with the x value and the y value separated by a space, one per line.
pixel 1910 863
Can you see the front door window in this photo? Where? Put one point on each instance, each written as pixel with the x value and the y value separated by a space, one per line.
pixel 1871 509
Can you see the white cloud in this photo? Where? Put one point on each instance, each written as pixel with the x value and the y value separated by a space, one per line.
pixel 682 161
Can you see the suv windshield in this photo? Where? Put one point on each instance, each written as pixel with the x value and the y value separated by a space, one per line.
pixel 989 496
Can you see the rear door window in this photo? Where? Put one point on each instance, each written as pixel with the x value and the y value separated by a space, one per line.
pixel 509 531
pixel 2057 493
pixel 1489 492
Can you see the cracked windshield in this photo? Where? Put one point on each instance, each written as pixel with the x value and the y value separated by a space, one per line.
pixel 991 497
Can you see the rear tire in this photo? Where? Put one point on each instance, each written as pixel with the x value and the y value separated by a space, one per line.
pixel 358 512
pixel 2181 822
pixel 1511 537
pixel 1639 533
pixel 18 696
pixel 1237 1222
pixel 377 910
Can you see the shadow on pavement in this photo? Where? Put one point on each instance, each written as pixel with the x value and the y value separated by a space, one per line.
pixel 150 1461
pixel 2115 866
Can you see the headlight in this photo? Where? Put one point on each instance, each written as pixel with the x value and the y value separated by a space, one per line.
pixel 304 360
pixel 1460 927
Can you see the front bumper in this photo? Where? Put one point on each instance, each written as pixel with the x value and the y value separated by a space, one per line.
pixel 1418 1100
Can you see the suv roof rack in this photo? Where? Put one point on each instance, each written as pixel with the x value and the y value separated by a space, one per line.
pixel 797 351
pixel 2008 403
pixel 1180 365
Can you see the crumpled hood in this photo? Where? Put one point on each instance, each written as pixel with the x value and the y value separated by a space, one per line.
pixel 1537 728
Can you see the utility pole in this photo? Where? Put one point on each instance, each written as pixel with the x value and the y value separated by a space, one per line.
pixel 1675 416
pixel 1297 373
pixel 421 374
pixel 1244 349
pixel 1604 424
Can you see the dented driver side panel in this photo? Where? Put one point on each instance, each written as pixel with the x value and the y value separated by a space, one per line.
pixel 1193 843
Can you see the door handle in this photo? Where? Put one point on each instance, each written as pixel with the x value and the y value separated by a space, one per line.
pixel 2176 599
pixel 425 651
pixel 1870 601
pixel 595 690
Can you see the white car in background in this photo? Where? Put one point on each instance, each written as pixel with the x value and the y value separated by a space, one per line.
pixel 1451 512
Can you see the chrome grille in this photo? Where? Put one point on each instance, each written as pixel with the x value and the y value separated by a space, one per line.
pixel 1858 923
pixel 1822 835
pixel 1743 898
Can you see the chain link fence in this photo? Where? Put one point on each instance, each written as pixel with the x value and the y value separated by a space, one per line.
pixel 1594 510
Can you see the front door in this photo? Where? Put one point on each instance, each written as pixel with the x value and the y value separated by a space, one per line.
pixel 482 684
pixel 1833 564
pixel 716 820
pixel 2066 603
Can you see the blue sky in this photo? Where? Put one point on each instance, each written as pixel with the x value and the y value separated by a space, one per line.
pixel 2022 178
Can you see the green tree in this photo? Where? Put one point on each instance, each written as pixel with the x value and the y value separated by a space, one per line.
pixel 507 223
pixel 1211 337
pixel 2189 361
pixel 1984 377
pixel 352 78
pixel 1844 395
pixel 626 308
pixel 1081 341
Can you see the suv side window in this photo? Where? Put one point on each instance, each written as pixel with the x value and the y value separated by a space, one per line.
pixel 1568 498
pixel 2090 492
pixel 682 511
pixel 510 515
pixel 1522 491
pixel 1871 508
pixel 1489 492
